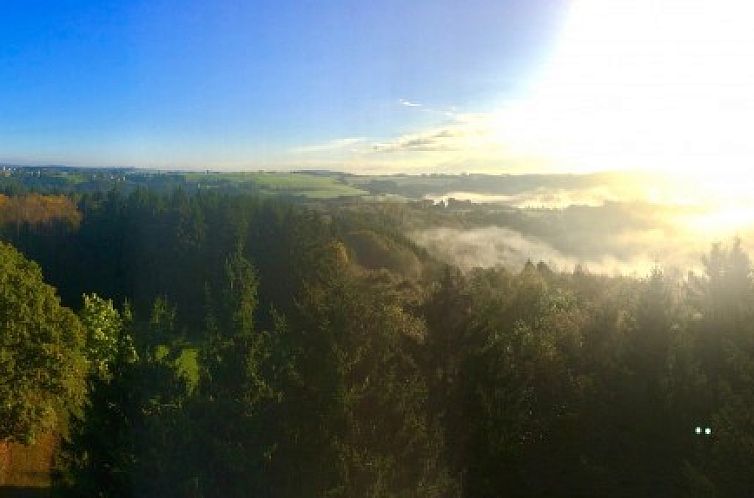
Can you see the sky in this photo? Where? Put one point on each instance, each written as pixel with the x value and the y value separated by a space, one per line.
pixel 497 86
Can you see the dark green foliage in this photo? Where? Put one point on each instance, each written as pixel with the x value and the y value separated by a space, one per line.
pixel 723 348
pixel 360 424
pixel 131 439
pixel 575 385
pixel 235 407
pixel 337 359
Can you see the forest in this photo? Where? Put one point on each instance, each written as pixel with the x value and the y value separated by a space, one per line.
pixel 217 342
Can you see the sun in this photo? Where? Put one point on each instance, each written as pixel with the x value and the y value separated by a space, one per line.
pixel 661 85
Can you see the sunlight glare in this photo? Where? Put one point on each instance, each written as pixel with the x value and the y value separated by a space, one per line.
pixel 639 84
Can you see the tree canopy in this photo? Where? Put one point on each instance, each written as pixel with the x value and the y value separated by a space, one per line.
pixel 234 345
pixel 42 366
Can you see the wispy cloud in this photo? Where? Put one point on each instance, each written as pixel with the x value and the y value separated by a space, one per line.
pixel 656 109
pixel 431 141
pixel 408 103
pixel 458 142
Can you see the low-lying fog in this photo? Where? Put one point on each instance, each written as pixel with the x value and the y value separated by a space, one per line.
pixel 603 228
pixel 539 198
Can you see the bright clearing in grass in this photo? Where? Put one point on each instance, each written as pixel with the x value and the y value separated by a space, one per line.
pixel 307 185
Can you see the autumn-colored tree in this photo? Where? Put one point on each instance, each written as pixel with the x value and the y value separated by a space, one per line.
pixel 37 209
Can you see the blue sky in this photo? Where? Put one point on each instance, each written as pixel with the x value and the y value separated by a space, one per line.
pixel 245 85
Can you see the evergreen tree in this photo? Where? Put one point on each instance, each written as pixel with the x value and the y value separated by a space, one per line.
pixel 235 409
pixel 362 428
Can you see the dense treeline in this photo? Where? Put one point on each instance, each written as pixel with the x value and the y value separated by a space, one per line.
pixel 144 245
pixel 247 347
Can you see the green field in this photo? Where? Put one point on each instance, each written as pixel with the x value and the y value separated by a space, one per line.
pixel 302 184
pixel 187 362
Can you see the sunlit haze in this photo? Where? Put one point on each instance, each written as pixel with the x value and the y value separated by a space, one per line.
pixel 643 84
pixel 663 87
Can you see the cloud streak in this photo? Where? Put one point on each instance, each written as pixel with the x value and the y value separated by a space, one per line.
pixel 432 141
pixel 408 103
